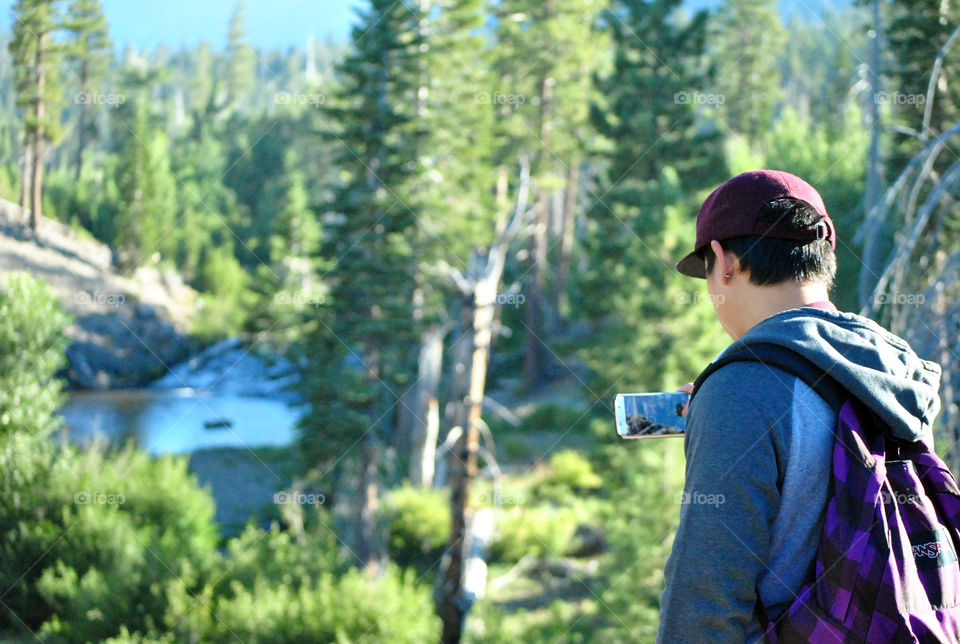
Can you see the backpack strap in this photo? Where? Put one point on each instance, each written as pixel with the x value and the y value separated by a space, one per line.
pixel 786 359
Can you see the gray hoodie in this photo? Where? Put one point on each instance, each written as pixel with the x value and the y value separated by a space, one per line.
pixel 758 448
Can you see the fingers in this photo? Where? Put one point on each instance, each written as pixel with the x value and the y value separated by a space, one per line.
pixel 687 389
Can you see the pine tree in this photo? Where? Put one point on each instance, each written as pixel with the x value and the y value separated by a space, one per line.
pixel 653 330
pixel 361 355
pixel 747 40
pixel 294 290
pixel 36 56
pixel 547 50
pixel 89 52
pixel 146 225
pixel 241 61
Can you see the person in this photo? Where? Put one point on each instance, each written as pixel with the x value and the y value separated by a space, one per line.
pixel 758 440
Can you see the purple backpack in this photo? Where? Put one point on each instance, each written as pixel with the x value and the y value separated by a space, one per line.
pixel 886 568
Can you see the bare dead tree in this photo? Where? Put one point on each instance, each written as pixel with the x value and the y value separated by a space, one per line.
pixel 915 290
pixel 479 294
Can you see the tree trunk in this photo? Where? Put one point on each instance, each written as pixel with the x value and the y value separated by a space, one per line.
pixel 36 173
pixel 534 358
pixel 425 413
pixel 562 304
pixel 478 319
pixel 27 168
pixel 36 206
pixel 367 549
pixel 82 119
pixel 479 302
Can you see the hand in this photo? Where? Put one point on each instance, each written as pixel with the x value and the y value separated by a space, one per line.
pixel 687 389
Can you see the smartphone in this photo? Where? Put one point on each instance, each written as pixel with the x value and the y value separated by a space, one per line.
pixel 650 415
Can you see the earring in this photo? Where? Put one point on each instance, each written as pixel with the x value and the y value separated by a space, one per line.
pixel 728 276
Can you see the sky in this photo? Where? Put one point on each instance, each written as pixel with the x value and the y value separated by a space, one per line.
pixel 269 23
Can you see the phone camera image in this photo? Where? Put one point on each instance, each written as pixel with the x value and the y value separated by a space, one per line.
pixel 650 415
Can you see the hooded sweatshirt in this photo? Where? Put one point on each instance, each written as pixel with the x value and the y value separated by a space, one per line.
pixel 758 464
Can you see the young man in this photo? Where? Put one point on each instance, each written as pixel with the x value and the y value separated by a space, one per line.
pixel 758 442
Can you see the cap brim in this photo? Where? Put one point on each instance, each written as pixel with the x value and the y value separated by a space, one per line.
pixel 692 265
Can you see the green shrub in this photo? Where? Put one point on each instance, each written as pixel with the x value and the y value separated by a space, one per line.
pixel 542 531
pixel 418 521
pixel 562 621
pixel 570 474
pixel 276 554
pixel 644 483
pixel 127 526
pixel 271 588
pixel 555 418
pixel 514 448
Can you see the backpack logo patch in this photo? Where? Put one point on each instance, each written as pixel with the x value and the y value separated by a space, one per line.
pixel 932 549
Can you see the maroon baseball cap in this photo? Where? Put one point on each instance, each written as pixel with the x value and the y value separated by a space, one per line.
pixel 731 211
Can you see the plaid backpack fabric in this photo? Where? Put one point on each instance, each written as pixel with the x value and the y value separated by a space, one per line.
pixel 886 568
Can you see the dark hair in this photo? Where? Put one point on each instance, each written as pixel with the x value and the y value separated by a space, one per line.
pixel 771 261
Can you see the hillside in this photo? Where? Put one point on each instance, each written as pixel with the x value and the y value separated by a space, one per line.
pixel 128 329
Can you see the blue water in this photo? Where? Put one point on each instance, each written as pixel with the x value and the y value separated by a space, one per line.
pixel 226 396
pixel 176 420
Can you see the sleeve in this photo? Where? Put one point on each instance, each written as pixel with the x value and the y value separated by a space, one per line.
pixel 728 505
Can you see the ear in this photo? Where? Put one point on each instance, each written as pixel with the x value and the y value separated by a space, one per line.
pixel 724 263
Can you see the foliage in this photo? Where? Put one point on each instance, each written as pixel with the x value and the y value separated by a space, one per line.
pixel 270 587
pixel 652 327
pixel 569 474
pixel 541 531
pixel 643 483
pixel 418 520
pixel 369 313
pixel 747 39
pixel 32 344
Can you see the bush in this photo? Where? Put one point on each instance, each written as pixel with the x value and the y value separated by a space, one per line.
pixel 643 485
pixel 561 621
pixel 126 527
pixel 418 520
pixel 570 474
pixel 272 589
pixel 543 531
pixel 555 418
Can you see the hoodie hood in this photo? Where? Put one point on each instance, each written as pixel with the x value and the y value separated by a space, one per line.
pixel 872 364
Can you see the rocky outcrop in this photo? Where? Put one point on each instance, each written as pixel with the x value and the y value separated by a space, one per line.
pixel 128 329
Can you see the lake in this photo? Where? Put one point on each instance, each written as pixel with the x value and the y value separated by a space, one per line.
pixel 224 397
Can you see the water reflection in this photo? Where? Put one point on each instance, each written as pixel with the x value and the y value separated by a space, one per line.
pixel 179 420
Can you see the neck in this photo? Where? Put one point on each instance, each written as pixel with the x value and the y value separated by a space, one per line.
pixel 770 300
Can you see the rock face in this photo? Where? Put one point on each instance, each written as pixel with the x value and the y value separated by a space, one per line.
pixel 129 328
pixel 229 367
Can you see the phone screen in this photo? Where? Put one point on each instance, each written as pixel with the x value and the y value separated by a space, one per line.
pixel 650 415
